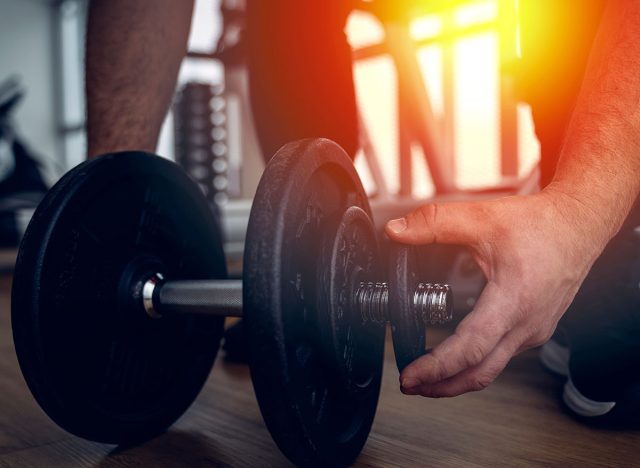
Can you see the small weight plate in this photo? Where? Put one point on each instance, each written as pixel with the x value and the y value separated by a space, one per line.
pixel 409 333
pixel 308 403
pixel 94 361
pixel 353 254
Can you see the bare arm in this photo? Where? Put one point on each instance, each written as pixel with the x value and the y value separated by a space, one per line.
pixel 536 250
pixel 134 51
pixel 600 162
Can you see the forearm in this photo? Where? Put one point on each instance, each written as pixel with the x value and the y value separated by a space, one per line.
pixel 599 166
pixel 134 51
pixel 536 250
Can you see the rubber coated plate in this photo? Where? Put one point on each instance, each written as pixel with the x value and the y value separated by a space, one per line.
pixel 408 331
pixel 347 337
pixel 312 412
pixel 96 364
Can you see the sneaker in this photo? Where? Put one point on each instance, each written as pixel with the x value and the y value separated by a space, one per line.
pixel 555 357
pixel 583 406
pixel 596 347
pixel 554 354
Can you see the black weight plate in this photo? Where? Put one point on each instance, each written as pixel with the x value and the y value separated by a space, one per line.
pixel 408 331
pixel 352 251
pixel 313 414
pixel 97 365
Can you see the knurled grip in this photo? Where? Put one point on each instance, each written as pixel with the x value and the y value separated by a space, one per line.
pixel 206 297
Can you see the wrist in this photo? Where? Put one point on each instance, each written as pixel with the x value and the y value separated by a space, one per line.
pixel 583 215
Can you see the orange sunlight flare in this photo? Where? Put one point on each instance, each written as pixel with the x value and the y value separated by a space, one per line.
pixel 481 40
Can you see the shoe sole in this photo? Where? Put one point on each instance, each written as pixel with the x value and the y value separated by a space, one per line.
pixel 583 406
pixel 555 358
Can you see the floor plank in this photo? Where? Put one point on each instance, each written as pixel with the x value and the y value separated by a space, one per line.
pixel 516 421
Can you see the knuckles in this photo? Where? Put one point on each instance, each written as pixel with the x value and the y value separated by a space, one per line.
pixel 479 382
pixel 434 368
pixel 428 214
pixel 474 354
pixel 540 337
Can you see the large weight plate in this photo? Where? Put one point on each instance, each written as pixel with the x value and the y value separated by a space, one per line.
pixel 318 405
pixel 97 365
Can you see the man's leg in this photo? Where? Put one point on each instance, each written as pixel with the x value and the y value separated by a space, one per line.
pixel 300 73
pixel 300 85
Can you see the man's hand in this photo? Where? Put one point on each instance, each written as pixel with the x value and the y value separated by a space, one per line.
pixel 535 252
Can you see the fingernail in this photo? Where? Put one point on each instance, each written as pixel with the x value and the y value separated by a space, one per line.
pixel 409 383
pixel 397 225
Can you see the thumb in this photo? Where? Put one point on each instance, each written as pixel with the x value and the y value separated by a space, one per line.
pixel 452 223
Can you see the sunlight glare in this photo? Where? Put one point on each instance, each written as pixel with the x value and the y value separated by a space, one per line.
pixel 476 111
pixel 363 29
pixel 475 94
pixel 476 12
pixel 425 27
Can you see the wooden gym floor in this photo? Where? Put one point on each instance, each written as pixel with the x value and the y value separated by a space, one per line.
pixel 518 421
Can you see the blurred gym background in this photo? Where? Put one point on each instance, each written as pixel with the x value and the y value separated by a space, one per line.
pixel 463 50
pixel 436 94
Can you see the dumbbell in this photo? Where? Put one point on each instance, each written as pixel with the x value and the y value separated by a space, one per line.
pixel 120 294
pixel 223 298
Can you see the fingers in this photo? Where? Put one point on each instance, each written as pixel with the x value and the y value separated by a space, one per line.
pixel 475 378
pixel 453 223
pixel 475 338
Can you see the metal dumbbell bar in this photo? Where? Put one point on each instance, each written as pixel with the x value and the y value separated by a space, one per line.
pixel 224 298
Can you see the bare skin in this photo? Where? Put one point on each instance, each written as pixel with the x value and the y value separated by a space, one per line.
pixel 535 251
pixel 134 51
